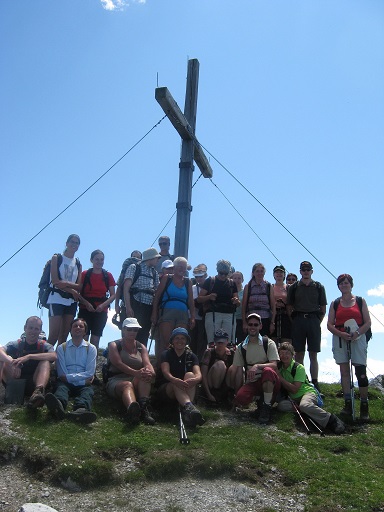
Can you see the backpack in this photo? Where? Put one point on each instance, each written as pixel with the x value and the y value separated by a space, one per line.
pixel 127 262
pixel 268 293
pixel 87 281
pixel 21 346
pixel 244 352
pixel 209 304
pixel 45 285
pixel 359 300
pixel 105 368
pixel 165 291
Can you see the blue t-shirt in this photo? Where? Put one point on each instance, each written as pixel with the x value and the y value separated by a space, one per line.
pixel 175 298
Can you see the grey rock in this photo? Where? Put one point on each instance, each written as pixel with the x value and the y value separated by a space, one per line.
pixel 36 507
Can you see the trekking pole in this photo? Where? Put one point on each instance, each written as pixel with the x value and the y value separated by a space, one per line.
pixel 352 386
pixel 183 434
pixel 278 328
pixel 300 415
pixel 321 432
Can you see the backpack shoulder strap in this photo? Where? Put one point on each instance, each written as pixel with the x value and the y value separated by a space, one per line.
pixel 106 278
pixel 87 280
pixel 64 345
pixel 359 301
pixel 336 303
pixel 265 344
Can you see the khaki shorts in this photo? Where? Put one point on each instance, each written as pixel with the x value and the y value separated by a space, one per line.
pixel 359 349
pixel 113 381
pixel 174 316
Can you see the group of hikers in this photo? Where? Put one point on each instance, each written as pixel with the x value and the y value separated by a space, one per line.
pixel 213 338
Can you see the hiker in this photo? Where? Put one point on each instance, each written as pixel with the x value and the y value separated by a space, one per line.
pixel 346 309
pixel 164 245
pixel 76 366
pixel 295 382
pixel 65 277
pixel 258 356
pixel 173 305
pixel 258 298
pixel 140 284
pixel 291 278
pixel 119 297
pixel 218 373
pixel 97 293
pixel 219 298
pixel 198 334
pixel 238 279
pixel 282 331
pixel 130 373
pixel 306 305
pixel 166 269
pixel 181 373
pixel 28 358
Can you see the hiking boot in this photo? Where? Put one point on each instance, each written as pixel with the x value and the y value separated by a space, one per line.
pixel 191 415
pixel 347 409
pixel 96 381
pixel 336 425
pixel 133 413
pixel 54 406
pixel 37 398
pixel 146 415
pixel 364 411
pixel 265 413
pixel 82 415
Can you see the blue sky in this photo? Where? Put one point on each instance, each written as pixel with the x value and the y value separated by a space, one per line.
pixel 291 102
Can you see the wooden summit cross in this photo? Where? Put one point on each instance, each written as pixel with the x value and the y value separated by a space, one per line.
pixel 191 150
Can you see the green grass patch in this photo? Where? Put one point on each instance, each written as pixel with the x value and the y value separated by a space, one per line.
pixel 334 472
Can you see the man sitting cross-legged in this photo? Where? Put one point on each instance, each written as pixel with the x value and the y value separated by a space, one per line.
pixel 258 356
pixel 28 358
pixel 76 367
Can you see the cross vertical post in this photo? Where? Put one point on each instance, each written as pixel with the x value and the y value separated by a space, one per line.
pixel 191 150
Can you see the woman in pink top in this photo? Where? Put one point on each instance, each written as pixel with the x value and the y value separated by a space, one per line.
pixel 282 330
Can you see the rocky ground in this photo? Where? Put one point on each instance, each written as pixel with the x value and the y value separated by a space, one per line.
pixel 18 487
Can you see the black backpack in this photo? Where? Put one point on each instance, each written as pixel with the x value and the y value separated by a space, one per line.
pixel 87 281
pixel 45 285
pixel 359 300
pixel 127 262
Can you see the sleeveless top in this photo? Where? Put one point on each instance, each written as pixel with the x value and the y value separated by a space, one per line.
pixel 175 298
pixel 258 299
pixel 132 360
pixel 343 314
pixel 280 294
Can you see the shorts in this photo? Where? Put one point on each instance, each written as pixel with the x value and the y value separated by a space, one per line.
pixel 95 321
pixel 306 330
pixel 249 390
pixel 113 381
pixel 61 310
pixel 174 316
pixel 359 349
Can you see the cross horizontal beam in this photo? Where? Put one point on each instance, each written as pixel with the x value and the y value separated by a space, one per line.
pixel 184 129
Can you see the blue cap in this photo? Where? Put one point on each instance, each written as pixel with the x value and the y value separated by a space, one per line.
pixel 180 330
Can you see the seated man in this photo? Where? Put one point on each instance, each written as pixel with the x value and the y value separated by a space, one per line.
pixel 181 372
pixel 28 358
pixel 76 365
pixel 218 373
pixel 295 381
pixel 258 356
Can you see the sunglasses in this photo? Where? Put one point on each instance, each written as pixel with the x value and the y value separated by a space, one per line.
pixel 253 325
pixel 131 329
pixel 223 273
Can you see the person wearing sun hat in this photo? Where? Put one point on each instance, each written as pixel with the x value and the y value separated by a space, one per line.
pixel 198 335
pixel 306 305
pixel 140 284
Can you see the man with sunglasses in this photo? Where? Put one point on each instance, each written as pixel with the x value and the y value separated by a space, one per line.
pixel 258 356
pixel 164 245
pixel 306 305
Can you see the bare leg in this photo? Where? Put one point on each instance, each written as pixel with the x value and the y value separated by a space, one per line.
pixel 65 328
pixel 216 374
pixel 126 392
pixel 299 357
pixel 42 374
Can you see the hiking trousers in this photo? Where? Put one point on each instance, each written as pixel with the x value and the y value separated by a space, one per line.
pixel 83 395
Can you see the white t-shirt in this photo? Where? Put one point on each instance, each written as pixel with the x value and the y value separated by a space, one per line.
pixel 68 272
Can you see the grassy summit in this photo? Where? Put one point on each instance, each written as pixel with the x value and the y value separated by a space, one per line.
pixel 334 472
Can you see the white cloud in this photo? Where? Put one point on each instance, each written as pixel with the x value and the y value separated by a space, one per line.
pixel 377 317
pixel 118 5
pixel 377 292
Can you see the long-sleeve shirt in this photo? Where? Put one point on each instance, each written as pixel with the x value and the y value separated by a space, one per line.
pixel 78 364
